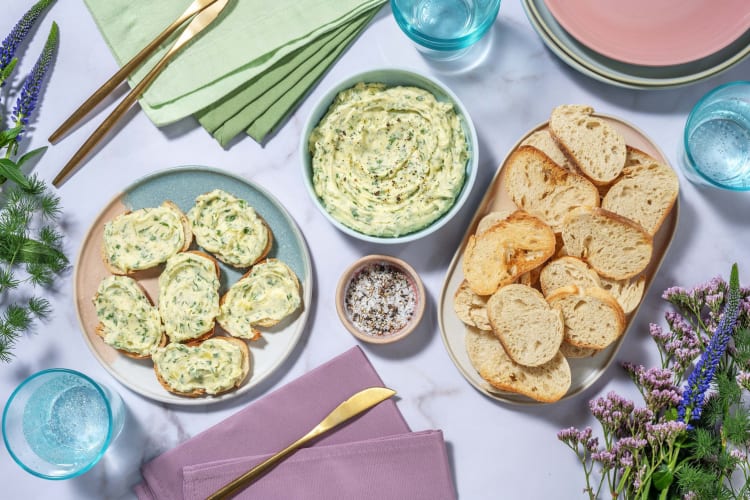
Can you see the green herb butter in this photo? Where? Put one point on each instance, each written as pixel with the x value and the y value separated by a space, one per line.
pixel 214 365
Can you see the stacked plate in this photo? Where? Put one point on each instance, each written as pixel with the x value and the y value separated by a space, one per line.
pixel 644 43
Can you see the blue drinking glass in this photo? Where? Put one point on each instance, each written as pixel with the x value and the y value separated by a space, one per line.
pixel 717 138
pixel 58 423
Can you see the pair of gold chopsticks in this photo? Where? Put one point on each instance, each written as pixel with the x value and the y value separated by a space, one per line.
pixel 205 12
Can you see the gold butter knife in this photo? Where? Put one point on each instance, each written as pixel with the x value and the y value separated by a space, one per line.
pixel 352 407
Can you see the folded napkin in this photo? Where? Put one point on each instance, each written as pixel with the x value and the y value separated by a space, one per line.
pixel 272 422
pixel 250 38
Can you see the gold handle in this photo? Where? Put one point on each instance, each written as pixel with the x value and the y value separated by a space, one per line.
pixel 120 76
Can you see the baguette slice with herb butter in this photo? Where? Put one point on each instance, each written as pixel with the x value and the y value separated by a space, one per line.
pixel 189 296
pixel 128 321
pixel 229 228
pixel 145 238
pixel 265 295
pixel 213 366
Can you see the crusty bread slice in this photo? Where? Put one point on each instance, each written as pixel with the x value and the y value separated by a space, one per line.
pixel 491 219
pixel 543 141
pixel 508 249
pixel 593 318
pixel 540 187
pixel 565 271
pixel 144 238
pixel 235 365
pixel 628 293
pixel 574 352
pixel 592 145
pixel 635 156
pixel 529 329
pixel 128 320
pixel 265 295
pixel 645 193
pixel 189 296
pixel 546 383
pixel 470 307
pixel 614 246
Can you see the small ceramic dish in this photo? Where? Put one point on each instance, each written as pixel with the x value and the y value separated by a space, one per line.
pixel 380 299
pixel 392 77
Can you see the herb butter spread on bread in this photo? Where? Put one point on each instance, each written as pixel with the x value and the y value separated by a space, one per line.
pixel 229 228
pixel 189 296
pixel 213 366
pixel 145 238
pixel 127 319
pixel 268 293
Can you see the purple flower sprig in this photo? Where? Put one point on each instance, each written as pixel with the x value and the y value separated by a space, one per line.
pixel 699 381
pixel 32 85
pixel 16 36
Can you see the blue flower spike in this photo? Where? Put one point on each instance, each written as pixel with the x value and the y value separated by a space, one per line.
pixel 17 35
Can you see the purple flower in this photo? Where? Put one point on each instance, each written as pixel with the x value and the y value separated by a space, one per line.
pixel 19 32
pixel 29 95
pixel 656 386
pixel 700 378
pixel 613 411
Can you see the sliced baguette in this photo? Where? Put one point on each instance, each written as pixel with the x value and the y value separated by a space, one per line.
pixel 614 246
pixel 593 318
pixel 543 141
pixel 565 271
pixel 574 352
pixel 186 369
pixel 128 320
pixel 628 293
pixel 529 329
pixel 491 219
pixel 189 296
pixel 546 383
pixel 144 238
pixel 504 252
pixel 592 145
pixel 645 193
pixel 540 187
pixel 470 307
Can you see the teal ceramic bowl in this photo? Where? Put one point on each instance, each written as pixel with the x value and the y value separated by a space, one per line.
pixel 393 77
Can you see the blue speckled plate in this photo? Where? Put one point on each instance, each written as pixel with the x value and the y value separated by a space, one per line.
pixel 182 185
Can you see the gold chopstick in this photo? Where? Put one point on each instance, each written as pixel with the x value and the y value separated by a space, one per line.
pixel 198 24
pixel 130 66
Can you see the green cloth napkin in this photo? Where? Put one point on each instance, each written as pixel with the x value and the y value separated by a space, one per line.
pixel 250 38
pixel 259 106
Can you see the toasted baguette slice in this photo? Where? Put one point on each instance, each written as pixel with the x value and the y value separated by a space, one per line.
pixel 614 246
pixel 628 293
pixel 566 271
pixel 266 294
pixel 470 307
pixel 128 320
pixel 491 219
pixel 592 145
pixel 504 252
pixel 145 238
pixel 645 193
pixel 529 329
pixel 209 367
pixel 230 229
pixel 543 141
pixel 189 296
pixel 575 352
pixel 540 187
pixel 635 156
pixel 593 318
pixel 546 383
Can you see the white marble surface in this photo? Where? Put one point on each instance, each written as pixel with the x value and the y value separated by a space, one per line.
pixel 497 450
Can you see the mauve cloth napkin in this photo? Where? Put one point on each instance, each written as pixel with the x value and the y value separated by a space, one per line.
pixel 272 422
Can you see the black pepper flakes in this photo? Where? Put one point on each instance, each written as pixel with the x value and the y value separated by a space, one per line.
pixel 380 300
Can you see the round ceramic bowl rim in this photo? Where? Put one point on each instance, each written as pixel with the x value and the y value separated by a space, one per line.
pixel 688 122
pixel 410 77
pixel 104 446
pixel 446 44
pixel 360 264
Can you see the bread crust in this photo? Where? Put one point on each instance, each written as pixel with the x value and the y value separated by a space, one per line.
pixel 245 369
pixel 601 333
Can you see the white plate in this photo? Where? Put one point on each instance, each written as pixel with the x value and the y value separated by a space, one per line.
pixel 181 185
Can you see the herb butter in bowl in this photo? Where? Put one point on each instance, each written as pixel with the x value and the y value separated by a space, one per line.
pixel 389 155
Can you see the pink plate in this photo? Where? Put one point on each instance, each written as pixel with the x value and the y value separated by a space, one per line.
pixel 653 32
